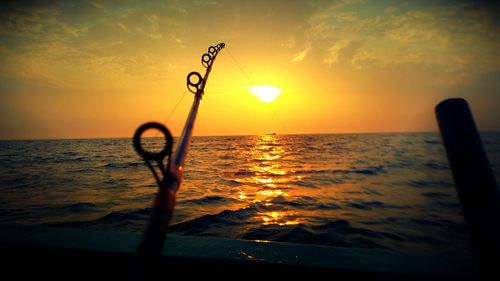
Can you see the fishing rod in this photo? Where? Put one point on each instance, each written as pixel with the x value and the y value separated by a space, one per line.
pixel 171 168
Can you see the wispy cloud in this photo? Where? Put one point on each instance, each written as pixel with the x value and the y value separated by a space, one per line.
pixel 76 41
pixel 448 36
pixel 302 54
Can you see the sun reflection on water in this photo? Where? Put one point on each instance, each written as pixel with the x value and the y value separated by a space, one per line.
pixel 268 181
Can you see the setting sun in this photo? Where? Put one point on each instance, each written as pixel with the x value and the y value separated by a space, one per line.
pixel 265 93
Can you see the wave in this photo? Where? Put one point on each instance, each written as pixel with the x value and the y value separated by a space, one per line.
pixel 209 200
pixel 213 224
pixel 436 195
pixel 62 159
pixel 369 205
pixel 335 233
pixel 236 225
pixel 122 165
pixel 437 165
pixel 421 183
pixel 131 220
pixel 78 207
pixel 240 172
pixel 367 171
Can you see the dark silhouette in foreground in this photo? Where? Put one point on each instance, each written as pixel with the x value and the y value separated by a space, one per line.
pixel 475 182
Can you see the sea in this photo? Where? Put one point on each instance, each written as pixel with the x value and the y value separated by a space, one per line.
pixel 389 191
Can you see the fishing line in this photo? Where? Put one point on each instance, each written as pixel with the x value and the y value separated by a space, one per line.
pixel 175 107
pixel 281 122
pixel 171 112
pixel 239 66
pixel 251 84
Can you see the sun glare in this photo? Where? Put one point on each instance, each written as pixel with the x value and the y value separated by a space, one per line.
pixel 265 93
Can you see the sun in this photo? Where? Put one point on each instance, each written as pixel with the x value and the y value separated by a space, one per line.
pixel 265 93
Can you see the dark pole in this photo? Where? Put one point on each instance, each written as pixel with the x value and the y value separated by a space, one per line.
pixel 476 185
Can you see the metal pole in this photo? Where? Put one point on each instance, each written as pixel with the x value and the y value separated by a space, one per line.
pixel 476 185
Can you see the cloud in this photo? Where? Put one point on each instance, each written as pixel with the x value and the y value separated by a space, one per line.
pixel 302 54
pixel 456 37
pixel 86 43
pixel 289 43
pixel 342 54
pixel 25 18
pixel 46 38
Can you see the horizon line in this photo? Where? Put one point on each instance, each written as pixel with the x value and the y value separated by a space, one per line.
pixel 244 135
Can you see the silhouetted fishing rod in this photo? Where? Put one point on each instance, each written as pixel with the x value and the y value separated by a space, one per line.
pixel 171 169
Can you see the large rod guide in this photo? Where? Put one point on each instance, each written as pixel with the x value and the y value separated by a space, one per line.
pixel 170 168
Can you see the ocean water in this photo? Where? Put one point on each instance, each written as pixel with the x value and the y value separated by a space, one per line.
pixel 384 191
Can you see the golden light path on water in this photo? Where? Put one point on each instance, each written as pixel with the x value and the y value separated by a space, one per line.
pixel 267 174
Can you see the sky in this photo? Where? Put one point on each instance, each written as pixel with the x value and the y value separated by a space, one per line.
pixel 85 69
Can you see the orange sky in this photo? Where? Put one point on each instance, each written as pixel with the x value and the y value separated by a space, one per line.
pixel 79 69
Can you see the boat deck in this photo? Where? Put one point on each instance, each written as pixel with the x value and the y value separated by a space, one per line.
pixel 75 253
